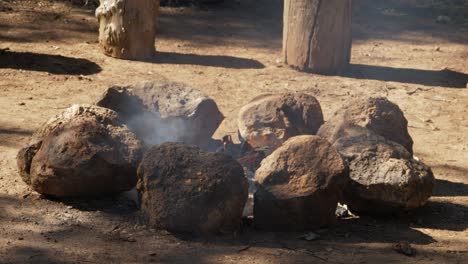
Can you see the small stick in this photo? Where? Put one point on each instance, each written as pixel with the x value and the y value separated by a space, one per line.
pixel 244 249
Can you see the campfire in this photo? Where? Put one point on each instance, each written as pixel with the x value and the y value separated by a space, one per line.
pixel 281 173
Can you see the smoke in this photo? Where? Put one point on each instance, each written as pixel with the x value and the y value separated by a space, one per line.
pixel 152 129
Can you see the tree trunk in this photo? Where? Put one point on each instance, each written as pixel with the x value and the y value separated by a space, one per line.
pixel 127 28
pixel 317 35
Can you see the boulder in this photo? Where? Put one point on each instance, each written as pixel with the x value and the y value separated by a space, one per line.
pixel 85 151
pixel 269 120
pixel 377 114
pixel 384 176
pixel 185 189
pixel 26 154
pixel 161 111
pixel 299 185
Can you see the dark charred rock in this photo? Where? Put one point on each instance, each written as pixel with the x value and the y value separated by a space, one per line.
pixel 185 189
pixel 160 111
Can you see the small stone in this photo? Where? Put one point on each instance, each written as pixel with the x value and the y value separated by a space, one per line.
pixel 310 236
pixel 404 247
pixel 22 103
pixel 443 20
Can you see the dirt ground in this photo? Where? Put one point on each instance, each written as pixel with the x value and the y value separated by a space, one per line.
pixel 232 52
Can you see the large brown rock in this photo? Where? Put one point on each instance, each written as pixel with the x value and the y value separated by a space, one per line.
pixel 185 189
pixel 269 120
pixel 299 185
pixel 26 154
pixel 85 151
pixel 377 114
pixel 384 176
pixel 161 111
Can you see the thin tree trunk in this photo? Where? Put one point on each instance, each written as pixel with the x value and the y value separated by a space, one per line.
pixel 317 35
pixel 127 28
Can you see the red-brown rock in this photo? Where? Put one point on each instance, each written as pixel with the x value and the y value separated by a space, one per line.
pixel 85 151
pixel 269 120
pixel 299 185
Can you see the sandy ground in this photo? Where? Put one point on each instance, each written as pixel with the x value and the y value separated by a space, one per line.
pixel 232 53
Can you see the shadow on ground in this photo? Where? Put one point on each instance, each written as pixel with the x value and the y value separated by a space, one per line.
pixel 14 131
pixel 445 78
pixel 256 24
pixel 448 188
pixel 108 230
pixel 9 136
pixel 207 60
pixel 54 64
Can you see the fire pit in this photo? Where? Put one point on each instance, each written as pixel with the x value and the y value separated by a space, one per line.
pixel 280 174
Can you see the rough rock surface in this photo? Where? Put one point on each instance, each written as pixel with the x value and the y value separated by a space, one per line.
pixel 160 111
pixel 377 114
pixel 85 151
pixel 269 120
pixel 299 185
pixel 185 189
pixel 384 176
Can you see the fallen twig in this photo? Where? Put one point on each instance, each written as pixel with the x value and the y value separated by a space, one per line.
pixel 308 251
pixel 244 248
pixel 418 89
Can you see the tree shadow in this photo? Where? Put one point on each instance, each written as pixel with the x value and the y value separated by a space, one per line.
pixel 391 19
pixel 445 187
pixel 448 188
pixel 439 215
pixel 122 204
pixel 207 60
pixel 15 132
pixel 9 136
pixel 54 64
pixel 238 23
pixel 445 78
pixel 88 232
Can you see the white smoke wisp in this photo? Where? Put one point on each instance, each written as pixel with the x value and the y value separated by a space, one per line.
pixel 153 130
